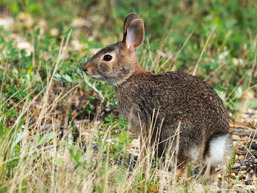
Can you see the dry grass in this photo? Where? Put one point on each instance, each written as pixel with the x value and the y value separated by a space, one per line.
pixel 51 165
pixel 58 165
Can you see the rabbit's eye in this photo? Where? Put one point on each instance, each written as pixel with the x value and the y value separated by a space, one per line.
pixel 107 57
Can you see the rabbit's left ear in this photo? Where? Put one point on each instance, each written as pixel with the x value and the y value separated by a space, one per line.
pixel 128 20
pixel 134 35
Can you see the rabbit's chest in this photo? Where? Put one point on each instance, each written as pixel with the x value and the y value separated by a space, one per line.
pixel 137 106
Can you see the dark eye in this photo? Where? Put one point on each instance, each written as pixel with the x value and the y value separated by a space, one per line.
pixel 107 57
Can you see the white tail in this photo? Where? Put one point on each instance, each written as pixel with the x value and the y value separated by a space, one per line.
pixel 219 148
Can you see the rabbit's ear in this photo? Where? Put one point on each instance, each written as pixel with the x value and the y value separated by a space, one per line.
pixel 134 35
pixel 128 20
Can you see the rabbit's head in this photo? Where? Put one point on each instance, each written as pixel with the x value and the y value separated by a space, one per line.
pixel 118 62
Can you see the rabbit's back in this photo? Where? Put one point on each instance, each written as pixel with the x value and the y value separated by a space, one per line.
pixel 178 97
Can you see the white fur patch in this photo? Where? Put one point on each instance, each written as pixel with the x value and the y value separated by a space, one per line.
pixel 218 148
pixel 194 154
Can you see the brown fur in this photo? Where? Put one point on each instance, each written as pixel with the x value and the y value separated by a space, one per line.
pixel 179 99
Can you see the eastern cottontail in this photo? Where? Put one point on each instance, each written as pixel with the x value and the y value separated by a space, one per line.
pixel 186 108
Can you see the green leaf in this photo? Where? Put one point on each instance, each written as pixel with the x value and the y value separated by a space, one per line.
pixel 124 136
pixel 238 92
pixel 221 94
pixel 107 119
pixel 19 137
pixel 1 130
pixel 251 103
pixel 119 126
pixel 46 138
pixel 120 119
pixel 124 124
pixel 31 69
pixel 111 116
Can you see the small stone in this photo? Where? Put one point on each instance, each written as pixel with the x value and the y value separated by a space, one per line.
pixel 243 167
pixel 251 188
pixel 235 143
pixel 235 137
pixel 27 46
pixel 7 22
pixel 239 185
pixel 54 32
pixel 135 143
pixel 80 22
pixel 241 157
pixel 219 176
pixel 237 165
pixel 25 19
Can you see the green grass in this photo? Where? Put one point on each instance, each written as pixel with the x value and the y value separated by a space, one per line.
pixel 44 85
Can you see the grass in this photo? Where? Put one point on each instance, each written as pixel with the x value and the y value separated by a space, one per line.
pixel 86 149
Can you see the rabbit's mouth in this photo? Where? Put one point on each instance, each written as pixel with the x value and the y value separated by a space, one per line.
pixel 96 77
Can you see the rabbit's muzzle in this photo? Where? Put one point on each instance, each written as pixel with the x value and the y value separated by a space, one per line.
pixel 91 71
pixel 85 68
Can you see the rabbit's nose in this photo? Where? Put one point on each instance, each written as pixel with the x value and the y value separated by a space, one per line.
pixel 85 68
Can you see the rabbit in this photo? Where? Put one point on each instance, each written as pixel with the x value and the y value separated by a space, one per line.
pixel 189 118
